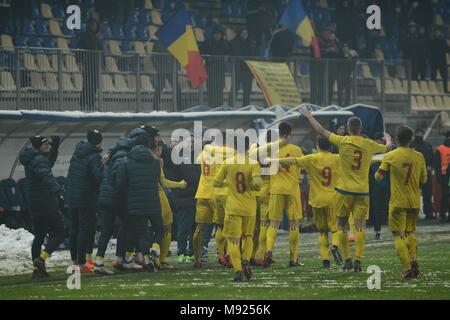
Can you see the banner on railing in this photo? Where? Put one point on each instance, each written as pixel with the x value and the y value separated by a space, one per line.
pixel 276 82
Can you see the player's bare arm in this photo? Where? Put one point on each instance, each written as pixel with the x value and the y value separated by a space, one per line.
pixel 314 123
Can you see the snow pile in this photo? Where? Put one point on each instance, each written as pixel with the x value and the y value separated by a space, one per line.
pixel 15 252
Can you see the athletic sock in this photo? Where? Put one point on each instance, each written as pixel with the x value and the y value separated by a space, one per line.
pixel 411 242
pixel 262 243
pixel 294 238
pixel 129 256
pixel 197 239
pixel 323 247
pixel 235 255
pixel 271 237
pixel 360 241
pixel 99 261
pixel 88 256
pixel 345 244
pixel 220 241
pixel 402 250
pixel 335 239
pixel 165 245
pixel 44 255
pixel 155 250
pixel 247 247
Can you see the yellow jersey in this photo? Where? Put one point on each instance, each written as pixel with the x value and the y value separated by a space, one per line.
pixel 224 153
pixel 407 170
pixel 323 172
pixel 286 180
pixel 241 198
pixel 205 188
pixel 355 153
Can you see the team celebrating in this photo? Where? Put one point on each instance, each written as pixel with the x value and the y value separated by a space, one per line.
pixel 236 194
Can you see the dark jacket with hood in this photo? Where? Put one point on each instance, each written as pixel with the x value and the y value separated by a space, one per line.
pixel 138 175
pixel 185 198
pixel 85 175
pixel 42 186
pixel 109 195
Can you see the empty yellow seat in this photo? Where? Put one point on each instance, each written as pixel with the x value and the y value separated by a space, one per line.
pixel 61 43
pixel 131 82
pixel 429 101
pixel 415 89
pixel 119 83
pixel 438 20
pixel 28 61
pixel 398 88
pixel 107 84
pixel 114 47
pixel 152 32
pixel 111 65
pixel 149 47
pixel 37 82
pixel 366 71
pixel 51 81
pixel 400 70
pixel 146 84
pixel 43 63
pixel 424 87
pixel 6 41
pixel 227 87
pixel 70 63
pixel 138 47
pixel 389 87
pixel 156 17
pixel 67 83
pixel 7 81
pixel 421 104
pixel 77 82
pixel 433 87
pixel 414 105
pixel 148 4
pixel 438 102
pixel 46 11
pixel 445 119
pixel 446 102
pixel 199 34
pixel 54 28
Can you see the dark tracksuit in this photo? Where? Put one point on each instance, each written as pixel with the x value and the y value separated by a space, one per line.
pixel 43 191
pixel 138 176
pixel 85 175
pixel 112 203
pixel 185 205
pixel 427 150
pixel 443 181
pixel 379 198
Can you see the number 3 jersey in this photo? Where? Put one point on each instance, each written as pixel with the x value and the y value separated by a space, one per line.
pixel 356 154
pixel 241 199
pixel 323 172
pixel 407 169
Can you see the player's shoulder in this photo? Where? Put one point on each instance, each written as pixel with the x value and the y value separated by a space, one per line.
pixel 293 147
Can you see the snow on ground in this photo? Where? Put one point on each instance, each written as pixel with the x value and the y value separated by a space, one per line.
pixel 15 252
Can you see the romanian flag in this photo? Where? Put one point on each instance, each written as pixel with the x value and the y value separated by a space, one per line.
pixel 295 19
pixel 177 35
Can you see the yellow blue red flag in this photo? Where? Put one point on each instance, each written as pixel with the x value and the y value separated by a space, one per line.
pixel 177 35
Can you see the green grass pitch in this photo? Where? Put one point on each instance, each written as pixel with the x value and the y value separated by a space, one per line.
pixel 278 282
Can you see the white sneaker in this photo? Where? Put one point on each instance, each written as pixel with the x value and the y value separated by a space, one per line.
pixel 131 266
pixel 102 270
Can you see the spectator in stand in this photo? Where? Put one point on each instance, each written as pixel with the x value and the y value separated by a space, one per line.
pixel 21 10
pixel 261 17
pixel 438 60
pixel 441 164
pixel 5 13
pixel 421 13
pixel 409 45
pixel 379 193
pixel 91 62
pixel 216 48
pixel 241 47
pixel 346 19
pixel 329 49
pixel 427 150
pixel 282 43
pixel 344 74
pixel 423 52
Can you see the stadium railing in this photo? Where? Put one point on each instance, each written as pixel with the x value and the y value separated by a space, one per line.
pixel 142 81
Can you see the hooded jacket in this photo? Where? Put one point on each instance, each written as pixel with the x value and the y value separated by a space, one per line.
pixel 42 187
pixel 85 175
pixel 138 176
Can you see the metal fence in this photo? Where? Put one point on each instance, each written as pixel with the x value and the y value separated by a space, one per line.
pixel 55 79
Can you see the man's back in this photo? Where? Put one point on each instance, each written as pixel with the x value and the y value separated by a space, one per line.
pixel 285 181
pixel 356 154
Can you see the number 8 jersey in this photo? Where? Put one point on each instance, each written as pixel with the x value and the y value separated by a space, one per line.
pixel 355 153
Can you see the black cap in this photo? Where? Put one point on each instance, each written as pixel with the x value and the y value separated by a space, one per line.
pixel 135 132
pixel 94 137
pixel 151 130
pixel 38 141
pixel 141 140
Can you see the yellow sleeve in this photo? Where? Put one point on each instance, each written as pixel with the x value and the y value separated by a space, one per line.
pixel 423 173
pixel 256 177
pixel 304 161
pixel 336 139
pixel 378 148
pixel 383 169
pixel 220 176
pixel 169 183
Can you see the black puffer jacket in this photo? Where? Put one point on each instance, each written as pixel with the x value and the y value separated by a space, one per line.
pixel 42 186
pixel 185 198
pixel 85 175
pixel 109 195
pixel 138 175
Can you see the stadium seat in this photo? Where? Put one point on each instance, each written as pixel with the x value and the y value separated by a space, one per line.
pixel 28 61
pixel 131 82
pixel 107 83
pixel 156 17
pixel 146 84
pixel 61 43
pixel 149 47
pixel 438 20
pixel 424 87
pixel 439 102
pixel 379 55
pixel 366 71
pixel 199 34
pixel 111 65
pixel 46 11
pixel 148 4
pixel 114 47
pixel 421 104
pixel 447 101
pixel 7 81
pixel 70 63
pixel 37 82
pixel 54 28
pixel 51 81
pixel 400 71
pixel 445 119
pixel 414 105
pixel 429 102
pixel 6 41
pixel 152 32
pixel 77 82
pixel 415 89
pixel 43 63
pixel 67 83
pixel 227 87
pixel 389 87
pixel 147 65
pixel 138 47
pixel 398 88
pixel 433 87
pixel 120 84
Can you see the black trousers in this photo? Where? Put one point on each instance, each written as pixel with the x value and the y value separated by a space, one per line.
pixel 109 214
pixel 52 224
pixel 444 198
pixel 140 236
pixel 82 233
pixel 427 192
pixel 444 74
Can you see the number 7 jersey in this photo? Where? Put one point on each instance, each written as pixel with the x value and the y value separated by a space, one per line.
pixel 355 153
